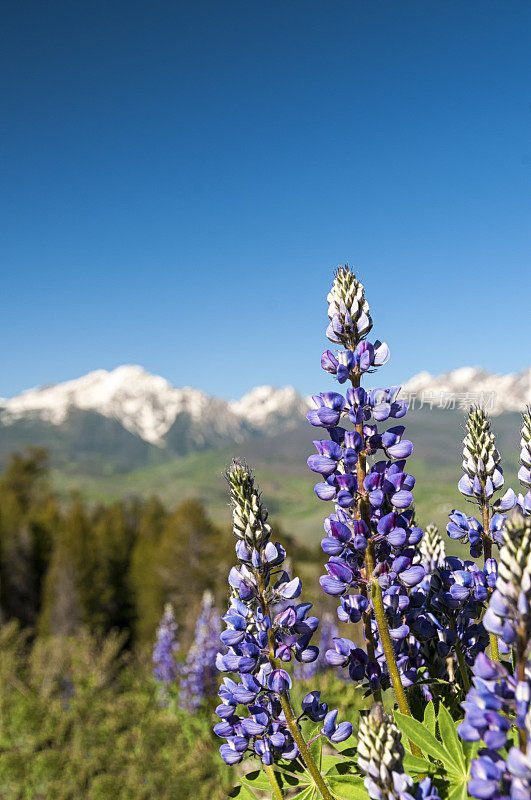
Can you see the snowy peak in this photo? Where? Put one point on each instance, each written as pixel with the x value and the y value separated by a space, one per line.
pixel 265 405
pixel 469 385
pixel 146 405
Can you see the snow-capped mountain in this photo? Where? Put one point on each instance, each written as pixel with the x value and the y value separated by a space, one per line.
pixel 266 406
pixel 146 405
pixel 149 407
pixel 469 385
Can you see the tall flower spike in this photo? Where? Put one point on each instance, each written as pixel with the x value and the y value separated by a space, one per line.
pixel 524 473
pixel 164 666
pixel 199 674
pixel 509 613
pixel 370 537
pixel 380 754
pixel 260 641
pixel 483 477
pixel 348 310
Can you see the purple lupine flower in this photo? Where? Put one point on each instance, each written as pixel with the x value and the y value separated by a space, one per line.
pixel 164 649
pixel 518 765
pixel 496 701
pixel 386 490
pixel 198 678
pixel 482 478
pixel 328 631
pixel 257 641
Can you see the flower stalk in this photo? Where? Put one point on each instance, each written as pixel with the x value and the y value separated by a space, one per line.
pixel 275 786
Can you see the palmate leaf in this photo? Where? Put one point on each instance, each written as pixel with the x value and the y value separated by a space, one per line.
pixel 417 766
pixel 257 779
pixel 307 794
pixel 242 792
pixel 415 731
pixel 347 787
pixel 429 717
pixel 452 742
pixel 316 747
pixel 458 792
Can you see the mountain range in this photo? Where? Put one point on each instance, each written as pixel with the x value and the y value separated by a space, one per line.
pixel 125 431
pixel 153 410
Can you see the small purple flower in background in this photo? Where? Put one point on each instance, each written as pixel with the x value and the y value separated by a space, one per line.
pixel 199 675
pixel 164 649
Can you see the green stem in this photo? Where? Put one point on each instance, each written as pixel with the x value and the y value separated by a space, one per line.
pixel 494 649
pixel 304 750
pixel 487 551
pixel 277 791
pixel 387 645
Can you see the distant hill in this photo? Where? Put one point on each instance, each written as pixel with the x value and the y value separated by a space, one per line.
pixel 128 432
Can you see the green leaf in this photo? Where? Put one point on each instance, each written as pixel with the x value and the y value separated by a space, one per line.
pixel 419 735
pixel 459 792
pixel 343 767
pixel 307 794
pixel 331 762
pixel 257 779
pixel 429 717
pixel 316 749
pixel 451 740
pixel 418 766
pixel 242 792
pixel 348 787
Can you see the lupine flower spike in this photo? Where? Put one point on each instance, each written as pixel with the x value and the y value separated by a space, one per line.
pixel 199 674
pixel 165 647
pixel 482 478
pixel 260 642
pixel 370 537
pixel 380 754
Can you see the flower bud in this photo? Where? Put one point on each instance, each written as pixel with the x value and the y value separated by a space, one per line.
pixel 348 309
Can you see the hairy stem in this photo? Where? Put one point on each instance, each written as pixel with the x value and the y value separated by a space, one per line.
pixel 275 786
pixel 487 551
pixel 304 750
pixel 494 649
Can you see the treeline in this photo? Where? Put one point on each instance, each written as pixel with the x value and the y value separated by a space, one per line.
pixel 71 566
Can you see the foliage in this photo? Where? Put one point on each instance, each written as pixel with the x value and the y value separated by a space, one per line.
pixel 79 720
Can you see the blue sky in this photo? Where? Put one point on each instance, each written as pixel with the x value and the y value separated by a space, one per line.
pixel 179 180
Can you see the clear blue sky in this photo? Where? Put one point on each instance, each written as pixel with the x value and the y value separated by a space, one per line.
pixel 178 181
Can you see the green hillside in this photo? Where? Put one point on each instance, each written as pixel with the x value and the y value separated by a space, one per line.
pixel 287 483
